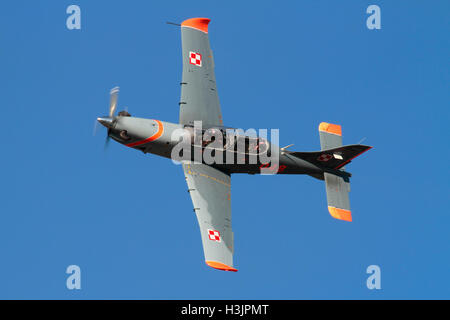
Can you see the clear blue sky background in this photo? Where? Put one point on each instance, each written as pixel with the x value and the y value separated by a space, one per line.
pixel 126 219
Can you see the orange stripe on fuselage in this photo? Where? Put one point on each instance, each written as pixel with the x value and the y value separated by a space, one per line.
pixel 157 135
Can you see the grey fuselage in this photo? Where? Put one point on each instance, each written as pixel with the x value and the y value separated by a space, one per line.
pixel 157 137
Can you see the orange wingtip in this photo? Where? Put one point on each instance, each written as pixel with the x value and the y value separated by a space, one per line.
pixel 220 266
pixel 197 23
pixel 340 214
pixel 330 128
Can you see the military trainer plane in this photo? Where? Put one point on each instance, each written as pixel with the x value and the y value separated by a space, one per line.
pixel 209 184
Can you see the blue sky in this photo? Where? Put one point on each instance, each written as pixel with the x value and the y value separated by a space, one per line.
pixel 126 219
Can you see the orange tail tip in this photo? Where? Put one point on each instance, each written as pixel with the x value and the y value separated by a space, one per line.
pixel 330 128
pixel 220 266
pixel 340 214
pixel 197 23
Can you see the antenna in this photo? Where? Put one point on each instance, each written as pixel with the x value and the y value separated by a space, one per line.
pixel 362 140
pixel 173 23
pixel 288 146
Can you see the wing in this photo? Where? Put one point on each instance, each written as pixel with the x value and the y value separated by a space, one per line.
pixel 199 99
pixel 210 192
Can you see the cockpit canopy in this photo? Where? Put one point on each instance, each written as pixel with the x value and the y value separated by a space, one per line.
pixel 226 139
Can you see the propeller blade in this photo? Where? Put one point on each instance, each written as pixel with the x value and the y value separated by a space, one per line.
pixel 113 101
pixel 106 141
pixel 94 132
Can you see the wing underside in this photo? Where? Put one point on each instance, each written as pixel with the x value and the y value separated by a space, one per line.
pixel 199 98
pixel 210 189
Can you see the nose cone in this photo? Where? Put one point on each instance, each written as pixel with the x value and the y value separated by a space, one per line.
pixel 107 122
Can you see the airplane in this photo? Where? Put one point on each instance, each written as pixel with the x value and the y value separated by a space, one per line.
pixel 209 184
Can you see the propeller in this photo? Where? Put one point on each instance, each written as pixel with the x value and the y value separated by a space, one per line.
pixel 106 141
pixel 114 94
pixel 110 121
pixel 94 132
pixel 107 122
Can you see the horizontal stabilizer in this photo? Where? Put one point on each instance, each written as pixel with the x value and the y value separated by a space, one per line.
pixel 330 135
pixel 337 197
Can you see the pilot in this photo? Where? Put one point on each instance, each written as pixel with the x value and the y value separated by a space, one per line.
pixel 210 136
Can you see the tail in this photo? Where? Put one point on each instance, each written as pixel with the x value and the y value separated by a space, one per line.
pixel 338 187
pixel 332 160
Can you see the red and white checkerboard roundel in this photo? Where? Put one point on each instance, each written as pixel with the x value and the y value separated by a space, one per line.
pixel 195 58
pixel 324 157
pixel 214 235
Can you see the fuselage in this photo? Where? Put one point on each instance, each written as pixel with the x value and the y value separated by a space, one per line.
pixel 164 139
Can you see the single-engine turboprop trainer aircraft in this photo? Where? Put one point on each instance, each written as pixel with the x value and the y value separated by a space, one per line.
pixel 209 184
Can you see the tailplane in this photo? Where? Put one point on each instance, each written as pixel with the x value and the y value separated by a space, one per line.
pixel 338 187
pixel 332 158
